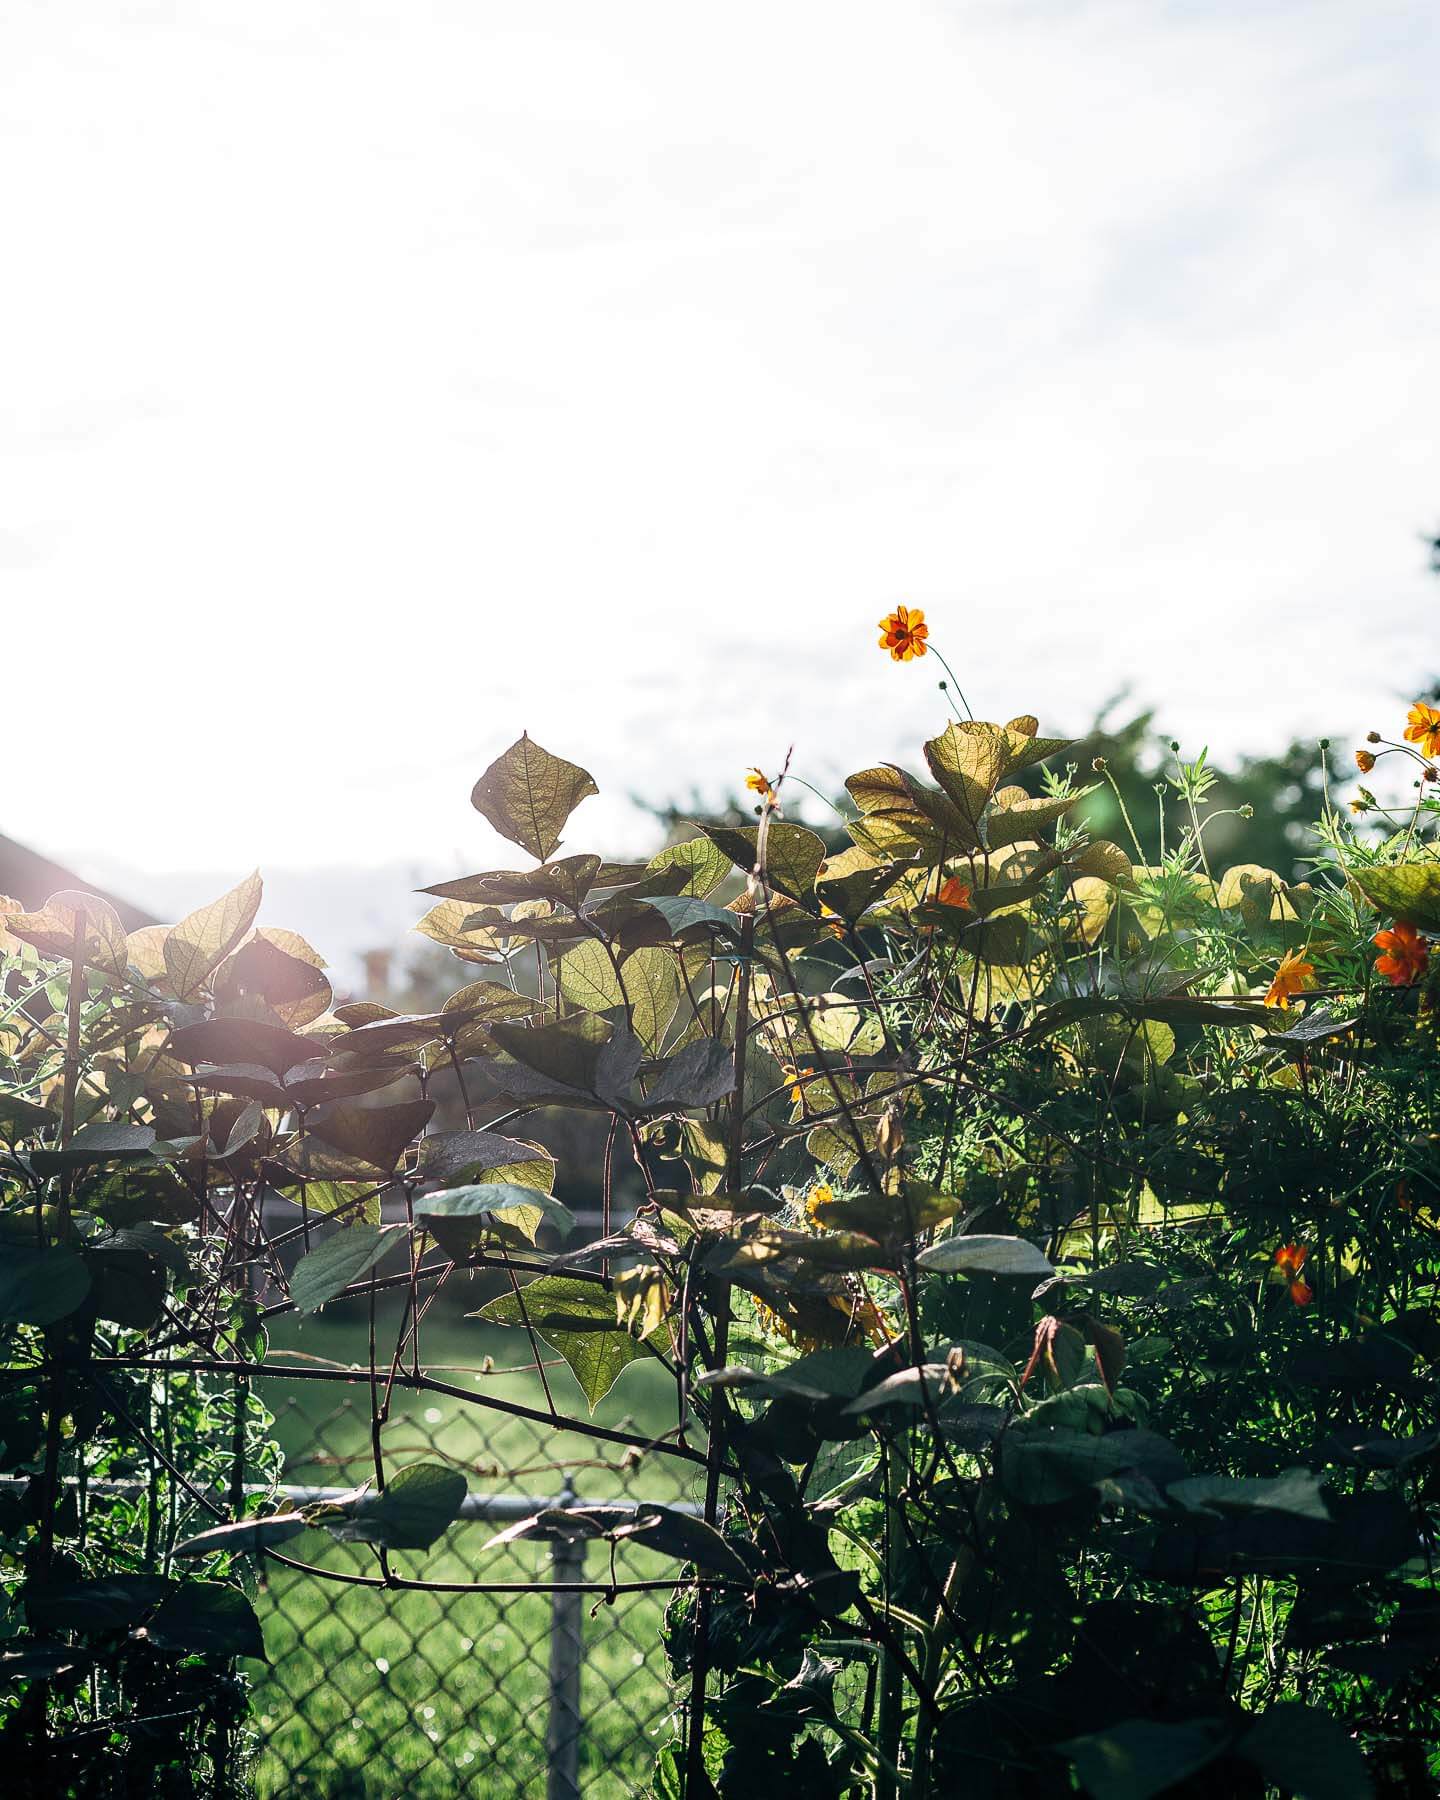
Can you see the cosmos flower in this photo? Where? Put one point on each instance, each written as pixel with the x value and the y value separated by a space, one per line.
pixel 1406 954
pixel 904 631
pixel 1292 977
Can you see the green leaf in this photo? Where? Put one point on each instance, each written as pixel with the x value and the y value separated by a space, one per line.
pixel 969 761
pixel 93 1145
pixel 110 1603
pixel 588 977
pixel 418 1505
pixel 853 880
pixel 1298 1492
pixel 37 1287
pixel 647 983
pixel 211 1617
pixel 703 1072
pixel 204 938
pixel 244 1534
pixel 375 1134
pixel 1043 1465
pixel 887 1215
pixel 19 1117
pixel 567 881
pixel 705 866
pixel 1138 1759
pixel 685 912
pixel 838 1374
pixel 1308 1753
pixel 72 919
pixel 334 1264
pixel 577 1319
pixel 1016 816
pixel 566 1051
pixel 651 979
pixel 657 1527
pixel 793 855
pixel 248 1041
pixel 980 1254
pixel 527 795
pixel 455 1157
pixel 327 1197
pixel 1408 891
pixel 458 1218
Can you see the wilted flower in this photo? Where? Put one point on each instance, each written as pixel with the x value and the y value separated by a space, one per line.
pixel 1406 954
pixel 1423 728
pixel 903 633
pixel 1364 761
pixel 1292 977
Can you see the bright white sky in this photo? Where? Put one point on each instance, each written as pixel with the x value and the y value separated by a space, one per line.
pixel 384 376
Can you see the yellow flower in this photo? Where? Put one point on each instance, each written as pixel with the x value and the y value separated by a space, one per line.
pixel 1293 975
pixel 1424 728
pixel 1364 761
pixel 820 1195
pixel 834 924
pixel 759 784
pixel 903 633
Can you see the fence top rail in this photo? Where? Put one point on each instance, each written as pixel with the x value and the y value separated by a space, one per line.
pixel 494 1508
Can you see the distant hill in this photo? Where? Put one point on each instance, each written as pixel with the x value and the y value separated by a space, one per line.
pixel 27 876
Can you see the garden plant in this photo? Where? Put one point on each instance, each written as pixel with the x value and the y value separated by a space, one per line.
pixel 1041 1232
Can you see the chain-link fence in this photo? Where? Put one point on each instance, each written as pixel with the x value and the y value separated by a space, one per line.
pixel 528 1688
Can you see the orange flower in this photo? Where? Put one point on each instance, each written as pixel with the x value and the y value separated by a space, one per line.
pixel 953 892
pixel 903 633
pixel 1293 975
pixel 795 1080
pixel 759 784
pixel 1364 761
pixel 1424 728
pixel 1406 954
pixel 1289 1261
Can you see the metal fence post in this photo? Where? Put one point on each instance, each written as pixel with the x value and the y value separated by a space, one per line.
pixel 567 1649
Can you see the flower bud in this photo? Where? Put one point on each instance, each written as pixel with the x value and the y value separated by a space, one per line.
pixel 1099 765
pixel 1372 737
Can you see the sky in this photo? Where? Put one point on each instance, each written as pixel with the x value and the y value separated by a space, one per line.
pixel 383 378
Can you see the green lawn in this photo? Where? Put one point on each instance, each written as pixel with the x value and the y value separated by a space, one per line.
pixel 377 1694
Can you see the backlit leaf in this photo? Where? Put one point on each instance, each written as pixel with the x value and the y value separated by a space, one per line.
pixel 527 795
pixel 793 854
pixel 342 1258
pixel 980 1254
pixel 1409 892
pixel 204 938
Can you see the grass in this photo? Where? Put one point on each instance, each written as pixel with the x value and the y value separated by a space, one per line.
pixel 372 1694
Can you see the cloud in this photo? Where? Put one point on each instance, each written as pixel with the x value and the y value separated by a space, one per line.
pixel 382 381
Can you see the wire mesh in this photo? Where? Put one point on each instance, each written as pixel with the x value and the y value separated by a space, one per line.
pixel 373 1692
